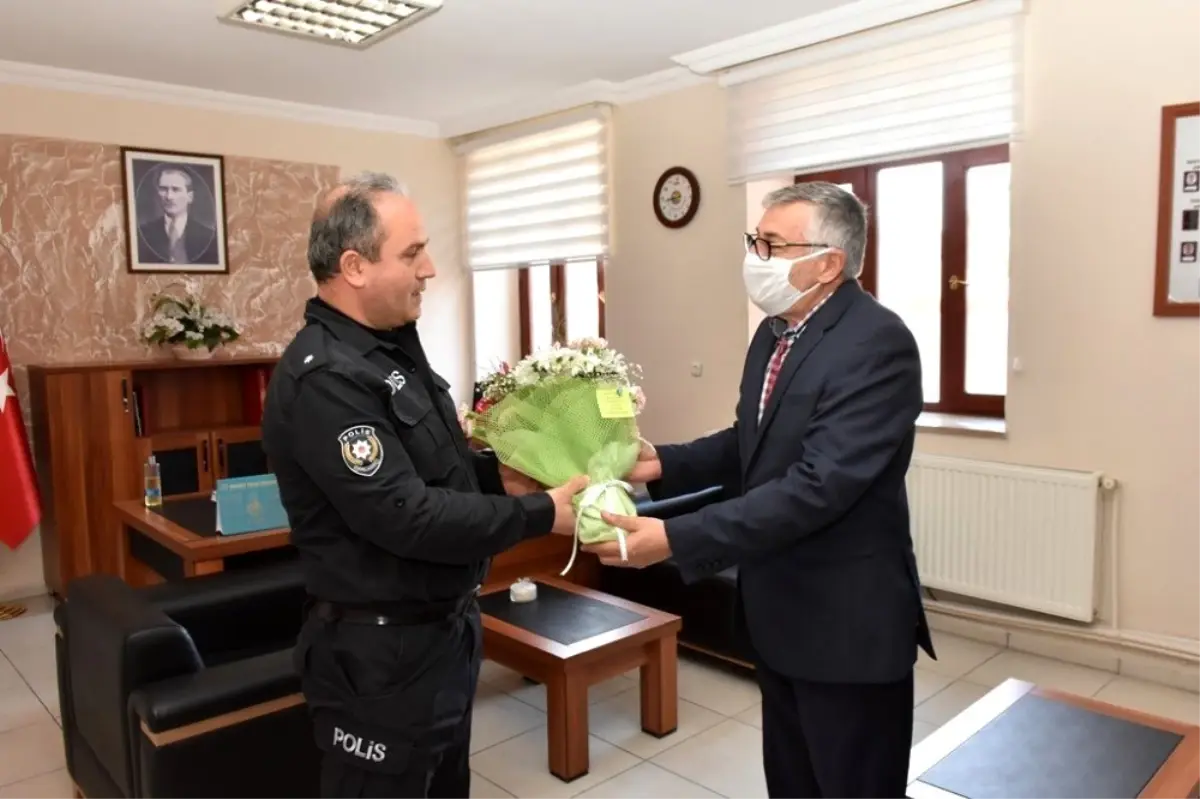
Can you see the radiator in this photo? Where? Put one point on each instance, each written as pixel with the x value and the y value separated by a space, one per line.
pixel 1014 535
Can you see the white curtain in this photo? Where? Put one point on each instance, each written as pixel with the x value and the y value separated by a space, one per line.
pixel 538 194
pixel 942 81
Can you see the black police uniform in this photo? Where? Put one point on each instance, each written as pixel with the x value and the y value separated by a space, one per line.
pixel 395 519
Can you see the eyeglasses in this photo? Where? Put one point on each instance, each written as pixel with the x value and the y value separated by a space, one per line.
pixel 763 248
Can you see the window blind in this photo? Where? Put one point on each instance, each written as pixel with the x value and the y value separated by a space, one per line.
pixel 538 197
pixel 938 82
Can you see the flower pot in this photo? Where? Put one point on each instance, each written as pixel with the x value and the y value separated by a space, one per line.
pixel 185 353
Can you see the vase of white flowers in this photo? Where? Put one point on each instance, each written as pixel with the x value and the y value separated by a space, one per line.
pixel 183 323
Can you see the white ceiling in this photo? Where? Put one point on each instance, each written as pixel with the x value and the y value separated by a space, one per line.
pixel 471 58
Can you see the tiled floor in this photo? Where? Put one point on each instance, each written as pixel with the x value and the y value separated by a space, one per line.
pixel 715 752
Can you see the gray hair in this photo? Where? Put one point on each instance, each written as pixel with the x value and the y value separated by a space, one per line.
pixel 345 219
pixel 840 221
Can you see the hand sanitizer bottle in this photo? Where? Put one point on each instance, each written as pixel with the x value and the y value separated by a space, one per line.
pixel 153 484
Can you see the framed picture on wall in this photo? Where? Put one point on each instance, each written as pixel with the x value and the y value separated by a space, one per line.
pixel 174 211
pixel 1177 272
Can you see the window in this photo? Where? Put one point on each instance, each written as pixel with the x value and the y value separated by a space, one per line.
pixel 937 254
pixel 537 235
pixel 560 302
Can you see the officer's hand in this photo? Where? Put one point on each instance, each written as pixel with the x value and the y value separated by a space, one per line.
pixel 564 511
pixel 516 484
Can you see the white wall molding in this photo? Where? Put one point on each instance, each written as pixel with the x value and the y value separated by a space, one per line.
pixel 643 87
pixel 1169 661
pixel 41 77
pixel 805 31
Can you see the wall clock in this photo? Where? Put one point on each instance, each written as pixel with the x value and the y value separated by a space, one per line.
pixel 676 197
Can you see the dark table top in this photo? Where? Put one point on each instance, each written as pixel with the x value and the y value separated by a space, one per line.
pixel 558 615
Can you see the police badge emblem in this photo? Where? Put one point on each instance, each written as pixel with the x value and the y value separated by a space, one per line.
pixel 361 450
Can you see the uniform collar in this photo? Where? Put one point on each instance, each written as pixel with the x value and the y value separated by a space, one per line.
pixel 400 344
pixel 356 334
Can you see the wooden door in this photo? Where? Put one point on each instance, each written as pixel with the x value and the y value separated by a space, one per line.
pixel 239 452
pixel 61 431
pixel 112 474
pixel 185 461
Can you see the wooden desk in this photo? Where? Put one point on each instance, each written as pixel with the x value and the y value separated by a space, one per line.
pixel 641 637
pixel 179 540
pixel 1050 751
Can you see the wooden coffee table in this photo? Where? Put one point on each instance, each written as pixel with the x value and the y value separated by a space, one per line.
pixel 570 638
pixel 1023 741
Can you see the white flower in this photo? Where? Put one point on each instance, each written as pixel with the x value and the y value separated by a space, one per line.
pixel 589 359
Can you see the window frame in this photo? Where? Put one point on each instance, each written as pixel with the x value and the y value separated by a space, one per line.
pixel 558 303
pixel 953 397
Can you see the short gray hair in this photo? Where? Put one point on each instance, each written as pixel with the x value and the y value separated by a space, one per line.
pixel 345 219
pixel 840 221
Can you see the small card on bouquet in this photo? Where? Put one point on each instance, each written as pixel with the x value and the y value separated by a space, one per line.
pixel 615 403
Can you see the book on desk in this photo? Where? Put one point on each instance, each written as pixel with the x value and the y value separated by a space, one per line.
pixel 249 505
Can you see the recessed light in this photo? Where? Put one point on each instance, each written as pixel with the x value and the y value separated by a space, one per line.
pixel 350 23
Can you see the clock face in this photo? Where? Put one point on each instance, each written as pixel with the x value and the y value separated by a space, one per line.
pixel 677 197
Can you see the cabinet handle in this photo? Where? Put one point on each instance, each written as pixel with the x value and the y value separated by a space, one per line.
pixel 221 456
pixel 205 456
pixel 125 394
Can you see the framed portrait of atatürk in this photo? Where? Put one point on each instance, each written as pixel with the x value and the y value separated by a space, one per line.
pixel 174 211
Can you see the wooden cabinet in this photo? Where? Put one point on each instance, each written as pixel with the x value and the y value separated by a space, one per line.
pixel 191 461
pixel 96 424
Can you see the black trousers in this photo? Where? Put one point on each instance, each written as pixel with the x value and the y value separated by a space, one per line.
pixel 835 739
pixel 445 774
pixel 392 705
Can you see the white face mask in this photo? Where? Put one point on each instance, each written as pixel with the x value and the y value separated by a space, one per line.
pixel 767 282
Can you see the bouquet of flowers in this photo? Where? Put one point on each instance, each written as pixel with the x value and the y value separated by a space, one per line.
pixel 565 411
pixel 185 323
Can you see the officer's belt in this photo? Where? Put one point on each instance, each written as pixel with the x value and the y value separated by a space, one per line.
pixel 392 613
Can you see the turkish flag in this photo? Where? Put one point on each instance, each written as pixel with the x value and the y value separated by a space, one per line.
pixel 20 504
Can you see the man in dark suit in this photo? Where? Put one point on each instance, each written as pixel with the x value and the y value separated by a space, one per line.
pixel 176 237
pixel 827 580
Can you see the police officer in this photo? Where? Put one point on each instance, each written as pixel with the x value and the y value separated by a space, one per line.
pixel 394 516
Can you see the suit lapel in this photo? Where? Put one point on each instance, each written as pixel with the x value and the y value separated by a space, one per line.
pixel 825 318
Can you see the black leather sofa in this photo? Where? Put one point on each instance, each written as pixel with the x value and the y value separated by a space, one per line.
pixel 185 688
pixel 706 606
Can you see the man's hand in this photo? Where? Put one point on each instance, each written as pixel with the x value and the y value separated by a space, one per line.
pixel 648 468
pixel 517 484
pixel 564 511
pixel 645 544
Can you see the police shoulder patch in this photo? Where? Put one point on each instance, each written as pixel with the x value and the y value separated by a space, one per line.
pixel 362 451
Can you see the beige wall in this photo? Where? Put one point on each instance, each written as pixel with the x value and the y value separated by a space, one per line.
pixel 426 165
pixel 1105 384
pixel 675 297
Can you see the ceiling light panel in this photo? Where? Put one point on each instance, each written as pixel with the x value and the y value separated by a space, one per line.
pixel 351 23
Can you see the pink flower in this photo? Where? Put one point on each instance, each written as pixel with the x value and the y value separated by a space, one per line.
pixel 639 399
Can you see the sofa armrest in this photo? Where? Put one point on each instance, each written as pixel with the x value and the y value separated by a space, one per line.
pixel 114 643
pixel 267 603
pixel 678 506
pixel 257 684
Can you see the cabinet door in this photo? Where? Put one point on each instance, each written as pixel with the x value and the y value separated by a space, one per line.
pixel 184 460
pixel 112 443
pixel 240 452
